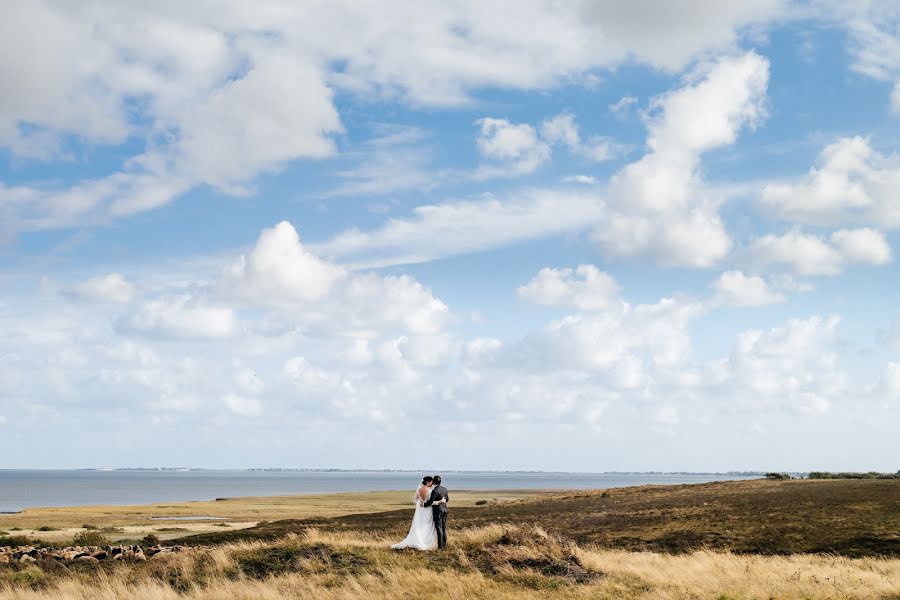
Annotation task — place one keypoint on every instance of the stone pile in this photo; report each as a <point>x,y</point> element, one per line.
<point>84,554</point>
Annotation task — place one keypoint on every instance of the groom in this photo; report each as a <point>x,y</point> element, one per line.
<point>439,492</point>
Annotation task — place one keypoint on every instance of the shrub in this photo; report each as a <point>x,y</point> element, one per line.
<point>19,540</point>
<point>89,527</point>
<point>150,540</point>
<point>89,538</point>
<point>47,528</point>
<point>480,502</point>
<point>777,476</point>
<point>869,475</point>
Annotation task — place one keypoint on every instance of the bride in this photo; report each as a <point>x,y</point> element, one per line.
<point>422,535</point>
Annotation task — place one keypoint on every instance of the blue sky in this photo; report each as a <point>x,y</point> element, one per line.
<point>436,235</point>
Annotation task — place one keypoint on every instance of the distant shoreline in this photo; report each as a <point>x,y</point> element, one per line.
<point>467,471</point>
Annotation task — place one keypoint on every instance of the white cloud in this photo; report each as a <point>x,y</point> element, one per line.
<point>249,382</point>
<point>108,288</point>
<point>278,111</point>
<point>280,269</point>
<point>183,317</point>
<point>734,288</point>
<point>210,100</point>
<point>808,254</point>
<point>874,41</point>
<point>659,204</point>
<point>300,370</point>
<point>584,288</point>
<point>280,273</point>
<point>582,179</point>
<point>514,148</point>
<point>623,105</point>
<point>243,406</point>
<point>889,381</point>
<point>865,246</point>
<point>622,341</point>
<point>852,184</point>
<point>439,230</point>
<point>794,367</point>
<point>562,130</point>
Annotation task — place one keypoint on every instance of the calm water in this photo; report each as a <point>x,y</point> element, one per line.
<point>22,489</point>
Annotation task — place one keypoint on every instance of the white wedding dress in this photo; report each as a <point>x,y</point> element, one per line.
<point>422,535</point>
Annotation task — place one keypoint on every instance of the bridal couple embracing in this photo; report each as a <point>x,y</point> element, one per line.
<point>429,525</point>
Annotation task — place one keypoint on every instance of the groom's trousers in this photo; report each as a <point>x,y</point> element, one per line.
<point>440,525</point>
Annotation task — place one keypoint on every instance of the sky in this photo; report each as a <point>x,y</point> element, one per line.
<point>564,235</point>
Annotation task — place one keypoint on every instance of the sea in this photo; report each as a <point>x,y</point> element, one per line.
<point>21,489</point>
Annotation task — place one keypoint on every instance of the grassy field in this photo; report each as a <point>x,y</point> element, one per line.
<point>134,522</point>
<point>497,562</point>
<point>761,540</point>
<point>848,517</point>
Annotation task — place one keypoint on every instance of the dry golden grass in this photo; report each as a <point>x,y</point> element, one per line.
<point>237,512</point>
<point>501,562</point>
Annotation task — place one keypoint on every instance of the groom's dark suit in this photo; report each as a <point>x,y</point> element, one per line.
<point>439,511</point>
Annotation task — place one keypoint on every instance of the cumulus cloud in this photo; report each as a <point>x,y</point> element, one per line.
<point>793,367</point>
<point>659,206</point>
<point>583,288</point>
<point>280,269</point>
<point>851,184</point>
<point>107,288</point>
<point>183,317</point>
<point>514,148</point>
<point>734,288</point>
<point>279,272</point>
<point>563,130</point>
<point>808,254</point>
